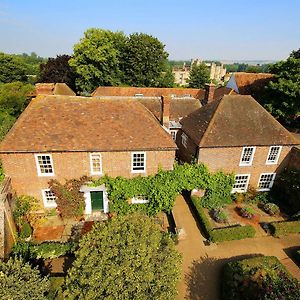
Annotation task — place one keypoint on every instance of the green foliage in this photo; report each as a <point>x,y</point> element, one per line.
<point>285,227</point>
<point>6,122</point>
<point>2,174</point>
<point>247,212</point>
<point>19,281</point>
<point>272,209</point>
<point>58,70</point>
<point>69,199</point>
<point>199,76</point>
<point>287,189</point>
<point>31,62</point>
<point>220,234</point>
<point>219,215</point>
<point>46,250</point>
<point>127,257</point>
<point>26,231</point>
<point>252,196</point>
<point>257,279</point>
<point>144,60</point>
<point>96,59</point>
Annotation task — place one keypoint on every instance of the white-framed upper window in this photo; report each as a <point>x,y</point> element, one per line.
<point>173,134</point>
<point>96,163</point>
<point>139,200</point>
<point>138,162</point>
<point>241,183</point>
<point>184,140</point>
<point>273,155</point>
<point>266,181</point>
<point>49,198</point>
<point>44,164</point>
<point>139,95</point>
<point>247,156</point>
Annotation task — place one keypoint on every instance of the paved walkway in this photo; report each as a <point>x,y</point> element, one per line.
<point>202,263</point>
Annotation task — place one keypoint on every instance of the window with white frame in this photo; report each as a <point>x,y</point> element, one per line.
<point>139,200</point>
<point>184,140</point>
<point>138,162</point>
<point>266,181</point>
<point>96,163</point>
<point>273,155</point>
<point>173,134</point>
<point>44,164</point>
<point>241,183</point>
<point>247,156</point>
<point>49,198</point>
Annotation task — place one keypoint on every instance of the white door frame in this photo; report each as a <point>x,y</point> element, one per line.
<point>86,190</point>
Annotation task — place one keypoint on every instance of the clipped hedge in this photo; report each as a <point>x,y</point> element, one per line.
<point>285,227</point>
<point>221,234</point>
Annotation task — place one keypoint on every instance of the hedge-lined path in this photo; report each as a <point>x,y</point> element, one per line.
<point>202,263</point>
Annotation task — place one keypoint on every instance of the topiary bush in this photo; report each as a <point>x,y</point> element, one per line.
<point>272,209</point>
<point>247,212</point>
<point>219,215</point>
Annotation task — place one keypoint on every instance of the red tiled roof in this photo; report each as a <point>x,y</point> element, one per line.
<point>235,120</point>
<point>53,89</point>
<point>65,123</point>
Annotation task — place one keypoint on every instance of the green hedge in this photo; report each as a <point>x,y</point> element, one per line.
<point>221,234</point>
<point>285,227</point>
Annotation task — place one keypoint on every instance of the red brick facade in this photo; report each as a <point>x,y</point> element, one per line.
<point>22,169</point>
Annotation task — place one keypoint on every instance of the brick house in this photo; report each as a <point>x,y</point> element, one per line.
<point>236,134</point>
<point>66,137</point>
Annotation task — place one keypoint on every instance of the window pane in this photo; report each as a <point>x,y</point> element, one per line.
<point>45,164</point>
<point>138,162</point>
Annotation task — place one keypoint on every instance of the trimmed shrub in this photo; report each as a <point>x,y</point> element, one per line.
<point>25,231</point>
<point>258,278</point>
<point>271,209</point>
<point>285,227</point>
<point>221,234</point>
<point>247,212</point>
<point>219,215</point>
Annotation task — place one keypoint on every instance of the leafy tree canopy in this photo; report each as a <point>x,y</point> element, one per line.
<point>6,122</point>
<point>96,59</point>
<point>19,281</point>
<point>58,70</point>
<point>12,68</point>
<point>282,95</point>
<point>199,75</point>
<point>127,257</point>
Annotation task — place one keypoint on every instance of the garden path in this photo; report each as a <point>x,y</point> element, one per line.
<point>202,263</point>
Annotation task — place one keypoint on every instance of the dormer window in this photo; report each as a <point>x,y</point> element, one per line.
<point>273,155</point>
<point>247,156</point>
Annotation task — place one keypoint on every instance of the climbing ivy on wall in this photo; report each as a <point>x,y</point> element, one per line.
<point>161,189</point>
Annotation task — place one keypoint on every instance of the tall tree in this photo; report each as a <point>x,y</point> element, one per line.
<point>282,95</point>
<point>96,59</point>
<point>12,68</point>
<point>143,61</point>
<point>125,258</point>
<point>58,70</point>
<point>199,75</point>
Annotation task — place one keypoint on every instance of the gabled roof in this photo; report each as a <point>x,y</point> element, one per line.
<point>249,83</point>
<point>53,89</point>
<point>65,123</point>
<point>235,120</point>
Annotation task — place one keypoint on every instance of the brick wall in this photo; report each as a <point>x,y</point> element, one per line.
<point>294,161</point>
<point>228,159</point>
<point>186,153</point>
<point>22,168</point>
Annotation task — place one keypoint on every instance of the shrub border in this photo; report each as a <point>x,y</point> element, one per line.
<point>284,227</point>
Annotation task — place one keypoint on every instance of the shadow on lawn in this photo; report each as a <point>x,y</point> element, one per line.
<point>204,277</point>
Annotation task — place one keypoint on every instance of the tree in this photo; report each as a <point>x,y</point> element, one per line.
<point>295,54</point>
<point>19,281</point>
<point>14,97</point>
<point>96,59</point>
<point>282,95</point>
<point>167,78</point>
<point>127,257</point>
<point>6,122</point>
<point>143,61</point>
<point>58,70</point>
<point>11,69</point>
<point>199,75</point>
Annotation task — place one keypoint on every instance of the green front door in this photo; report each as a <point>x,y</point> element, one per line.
<point>97,201</point>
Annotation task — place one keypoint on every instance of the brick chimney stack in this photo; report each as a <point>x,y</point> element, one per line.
<point>209,92</point>
<point>165,115</point>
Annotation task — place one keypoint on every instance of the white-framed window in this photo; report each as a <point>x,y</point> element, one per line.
<point>184,140</point>
<point>139,95</point>
<point>49,198</point>
<point>247,156</point>
<point>138,162</point>
<point>139,200</point>
<point>241,183</point>
<point>96,163</point>
<point>273,155</point>
<point>173,134</point>
<point>44,164</point>
<point>266,181</point>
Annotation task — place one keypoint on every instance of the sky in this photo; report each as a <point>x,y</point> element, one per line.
<point>223,30</point>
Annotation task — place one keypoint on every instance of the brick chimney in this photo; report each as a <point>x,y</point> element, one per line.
<point>165,114</point>
<point>209,92</point>
<point>44,88</point>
